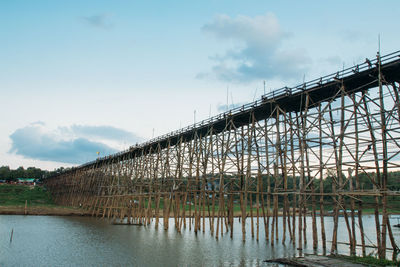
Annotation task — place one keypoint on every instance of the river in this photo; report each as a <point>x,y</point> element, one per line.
<point>87,241</point>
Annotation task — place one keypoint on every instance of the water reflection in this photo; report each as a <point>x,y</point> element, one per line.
<point>83,241</point>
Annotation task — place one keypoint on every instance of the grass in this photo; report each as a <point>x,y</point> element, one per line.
<point>16,195</point>
<point>368,208</point>
<point>13,197</point>
<point>370,261</point>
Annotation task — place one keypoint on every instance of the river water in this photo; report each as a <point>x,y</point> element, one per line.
<point>87,241</point>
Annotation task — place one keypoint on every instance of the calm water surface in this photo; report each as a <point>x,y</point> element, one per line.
<point>86,241</point>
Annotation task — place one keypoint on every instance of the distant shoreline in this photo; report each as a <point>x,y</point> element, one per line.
<point>43,211</point>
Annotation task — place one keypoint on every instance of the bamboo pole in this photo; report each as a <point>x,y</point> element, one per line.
<point>321,182</point>
<point>357,178</point>
<point>294,204</point>
<point>199,174</point>
<point>382,253</point>
<point>377,179</point>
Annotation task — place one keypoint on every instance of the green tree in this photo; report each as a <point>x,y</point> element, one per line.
<point>19,173</point>
<point>5,173</point>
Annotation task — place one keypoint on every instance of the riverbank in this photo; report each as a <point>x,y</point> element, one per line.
<point>36,200</point>
<point>71,211</point>
<point>32,200</point>
<point>43,210</point>
<point>338,260</point>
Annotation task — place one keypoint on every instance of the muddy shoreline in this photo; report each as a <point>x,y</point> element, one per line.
<point>71,211</point>
<point>43,210</point>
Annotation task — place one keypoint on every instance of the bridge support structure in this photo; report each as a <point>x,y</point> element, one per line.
<point>297,155</point>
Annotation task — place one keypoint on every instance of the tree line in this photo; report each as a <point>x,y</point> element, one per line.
<point>8,174</point>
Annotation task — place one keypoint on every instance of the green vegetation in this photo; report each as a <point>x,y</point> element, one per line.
<point>368,202</point>
<point>370,261</point>
<point>13,197</point>
<point>16,195</point>
<point>31,172</point>
<point>393,182</point>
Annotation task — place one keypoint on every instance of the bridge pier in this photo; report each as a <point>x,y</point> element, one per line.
<point>326,149</point>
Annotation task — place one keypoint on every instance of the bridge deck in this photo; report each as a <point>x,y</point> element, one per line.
<point>285,167</point>
<point>355,79</point>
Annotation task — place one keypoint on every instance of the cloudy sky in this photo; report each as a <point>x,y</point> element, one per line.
<point>81,77</point>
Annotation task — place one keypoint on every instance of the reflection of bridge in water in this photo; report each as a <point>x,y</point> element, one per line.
<point>265,159</point>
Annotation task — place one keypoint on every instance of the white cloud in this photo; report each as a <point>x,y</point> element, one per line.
<point>260,54</point>
<point>74,144</point>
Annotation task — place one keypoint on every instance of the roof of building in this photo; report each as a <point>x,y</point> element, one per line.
<point>29,180</point>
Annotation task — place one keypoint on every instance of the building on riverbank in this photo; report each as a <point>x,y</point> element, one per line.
<point>27,181</point>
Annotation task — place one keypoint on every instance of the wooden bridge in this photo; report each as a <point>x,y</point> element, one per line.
<point>265,160</point>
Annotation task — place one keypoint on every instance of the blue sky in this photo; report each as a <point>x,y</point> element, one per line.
<point>82,76</point>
